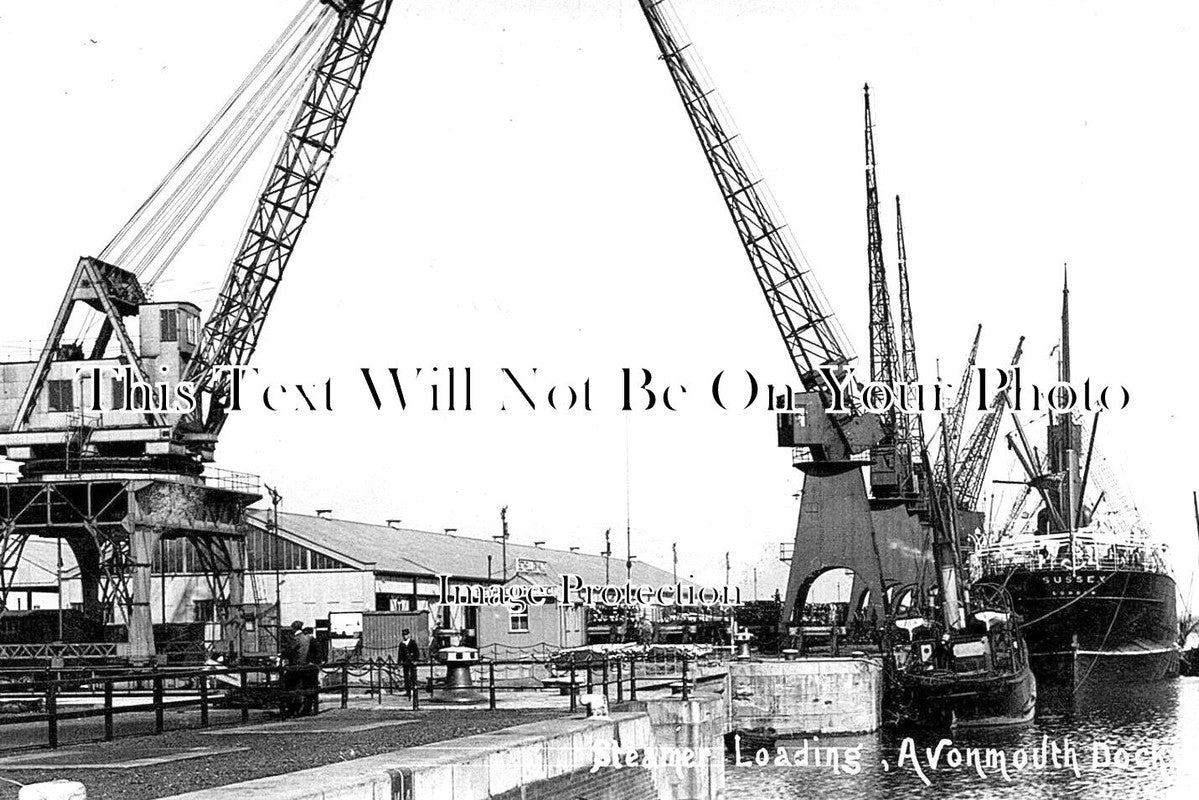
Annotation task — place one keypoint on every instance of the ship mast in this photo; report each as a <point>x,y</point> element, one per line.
<point>945,539</point>
<point>1065,435</point>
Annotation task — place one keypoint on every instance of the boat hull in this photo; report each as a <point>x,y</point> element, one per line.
<point>962,701</point>
<point>1086,628</point>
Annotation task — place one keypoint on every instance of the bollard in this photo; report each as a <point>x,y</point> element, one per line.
<point>415,698</point>
<point>742,639</point>
<point>108,732</point>
<point>458,689</point>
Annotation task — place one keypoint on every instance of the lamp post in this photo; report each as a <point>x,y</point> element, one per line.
<point>276,498</point>
<point>504,541</point>
<point>608,556</point>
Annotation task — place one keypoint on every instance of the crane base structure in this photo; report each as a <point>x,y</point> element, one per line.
<point>114,525</point>
<point>884,542</point>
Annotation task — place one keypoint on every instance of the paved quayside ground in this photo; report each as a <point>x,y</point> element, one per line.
<point>143,767</point>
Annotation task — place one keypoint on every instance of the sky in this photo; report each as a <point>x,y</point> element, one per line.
<point>519,188</point>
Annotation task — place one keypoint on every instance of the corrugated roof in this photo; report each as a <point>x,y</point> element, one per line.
<point>425,553</point>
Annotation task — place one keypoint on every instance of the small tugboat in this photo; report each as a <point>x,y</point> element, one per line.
<point>966,666</point>
<point>973,676</point>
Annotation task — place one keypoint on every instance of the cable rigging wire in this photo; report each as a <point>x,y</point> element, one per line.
<point>166,221</point>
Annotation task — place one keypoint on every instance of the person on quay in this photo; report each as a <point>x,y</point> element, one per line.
<point>310,671</point>
<point>409,657</point>
<point>295,658</point>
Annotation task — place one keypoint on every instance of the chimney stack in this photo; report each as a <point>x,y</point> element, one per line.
<point>324,513</point>
<point>394,524</point>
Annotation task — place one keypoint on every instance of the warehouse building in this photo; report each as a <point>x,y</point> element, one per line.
<point>316,567</point>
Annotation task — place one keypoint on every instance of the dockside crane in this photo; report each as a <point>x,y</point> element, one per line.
<point>829,450</point>
<point>108,464</point>
<point>323,71</point>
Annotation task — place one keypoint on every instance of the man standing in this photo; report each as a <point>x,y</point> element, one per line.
<point>409,656</point>
<point>295,657</point>
<point>311,672</point>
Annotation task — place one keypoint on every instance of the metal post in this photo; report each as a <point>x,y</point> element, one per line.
<point>157,702</point>
<point>415,699</point>
<point>686,689</point>
<point>203,702</point>
<point>491,685</point>
<point>345,684</point>
<point>108,732</point>
<point>619,681</point>
<point>52,713</point>
<point>632,679</point>
<point>605,677</point>
<point>573,691</point>
<point>245,710</point>
<point>590,678</point>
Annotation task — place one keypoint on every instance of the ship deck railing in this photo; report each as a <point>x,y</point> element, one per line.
<point>1060,553</point>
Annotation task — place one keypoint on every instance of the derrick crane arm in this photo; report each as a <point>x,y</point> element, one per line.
<point>972,466</point>
<point>805,323</point>
<point>952,421</point>
<point>884,357</point>
<point>231,333</point>
<point>910,371</point>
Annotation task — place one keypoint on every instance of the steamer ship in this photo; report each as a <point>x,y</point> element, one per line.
<point>1095,593</point>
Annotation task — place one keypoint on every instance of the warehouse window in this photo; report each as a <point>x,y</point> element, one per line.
<point>518,623</point>
<point>118,394</point>
<point>61,395</point>
<point>168,320</point>
<point>266,552</point>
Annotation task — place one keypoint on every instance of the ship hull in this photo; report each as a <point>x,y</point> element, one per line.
<point>1087,628</point>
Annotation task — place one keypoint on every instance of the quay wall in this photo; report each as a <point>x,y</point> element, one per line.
<point>807,696</point>
<point>553,759</point>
